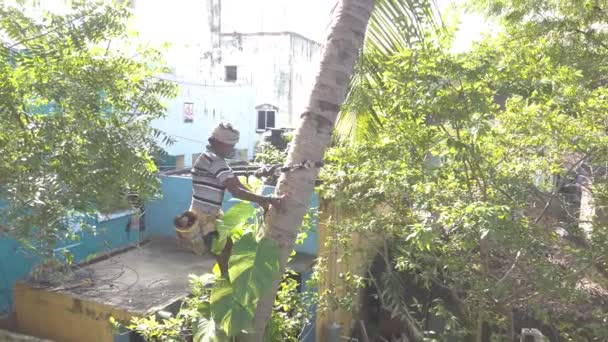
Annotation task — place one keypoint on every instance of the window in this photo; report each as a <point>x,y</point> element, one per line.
<point>266,119</point>
<point>267,116</point>
<point>230,73</point>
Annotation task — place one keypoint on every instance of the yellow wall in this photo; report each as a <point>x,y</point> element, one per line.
<point>362,250</point>
<point>63,318</point>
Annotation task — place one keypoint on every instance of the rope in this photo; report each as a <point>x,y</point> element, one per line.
<point>272,170</point>
<point>275,170</point>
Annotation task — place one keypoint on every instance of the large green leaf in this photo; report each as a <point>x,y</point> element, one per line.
<point>205,331</point>
<point>235,216</point>
<point>232,316</point>
<point>253,265</point>
<point>234,219</point>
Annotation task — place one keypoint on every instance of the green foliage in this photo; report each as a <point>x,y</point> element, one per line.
<point>267,154</point>
<point>234,223</point>
<point>191,320</point>
<point>572,31</point>
<point>223,309</point>
<point>393,27</point>
<point>457,183</point>
<point>76,102</point>
<point>291,312</point>
<point>252,267</point>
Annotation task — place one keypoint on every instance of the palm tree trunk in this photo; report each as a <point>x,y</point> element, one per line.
<point>343,44</point>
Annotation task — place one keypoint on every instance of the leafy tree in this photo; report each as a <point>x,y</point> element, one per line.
<point>469,190</point>
<point>344,40</point>
<point>267,154</point>
<point>76,102</point>
<point>222,309</point>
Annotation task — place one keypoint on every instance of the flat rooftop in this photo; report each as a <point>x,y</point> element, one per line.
<point>147,278</point>
<point>141,280</point>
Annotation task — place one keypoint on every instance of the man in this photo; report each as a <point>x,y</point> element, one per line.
<point>211,176</point>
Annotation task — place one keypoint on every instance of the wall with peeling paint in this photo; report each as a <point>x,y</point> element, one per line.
<point>279,66</point>
<point>305,59</point>
<point>211,105</point>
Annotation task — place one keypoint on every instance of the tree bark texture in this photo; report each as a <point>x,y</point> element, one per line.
<point>344,41</point>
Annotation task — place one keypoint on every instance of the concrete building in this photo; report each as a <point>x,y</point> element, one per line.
<point>248,62</point>
<point>280,67</point>
<point>197,109</point>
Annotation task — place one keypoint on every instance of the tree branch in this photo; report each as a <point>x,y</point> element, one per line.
<point>70,22</point>
<point>557,188</point>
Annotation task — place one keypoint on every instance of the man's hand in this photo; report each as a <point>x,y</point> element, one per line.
<point>275,201</point>
<point>238,190</point>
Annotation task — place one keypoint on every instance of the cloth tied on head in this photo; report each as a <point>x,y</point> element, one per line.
<point>226,134</point>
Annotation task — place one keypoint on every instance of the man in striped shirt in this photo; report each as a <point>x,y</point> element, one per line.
<point>211,176</point>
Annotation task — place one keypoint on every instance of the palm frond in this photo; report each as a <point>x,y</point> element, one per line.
<point>395,25</point>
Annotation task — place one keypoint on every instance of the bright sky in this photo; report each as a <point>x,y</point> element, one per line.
<point>184,23</point>
<point>306,17</point>
<point>472,27</point>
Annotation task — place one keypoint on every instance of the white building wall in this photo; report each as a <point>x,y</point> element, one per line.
<point>263,64</point>
<point>306,56</point>
<point>280,67</point>
<point>186,24</point>
<point>274,66</point>
<point>211,105</point>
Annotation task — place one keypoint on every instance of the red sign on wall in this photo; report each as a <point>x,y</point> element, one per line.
<point>188,112</point>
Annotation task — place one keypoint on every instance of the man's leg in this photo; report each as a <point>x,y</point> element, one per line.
<point>223,257</point>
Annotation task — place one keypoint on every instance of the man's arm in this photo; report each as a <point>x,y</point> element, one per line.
<point>238,190</point>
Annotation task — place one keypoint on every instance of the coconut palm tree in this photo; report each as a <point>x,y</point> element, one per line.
<point>394,24</point>
<point>313,135</point>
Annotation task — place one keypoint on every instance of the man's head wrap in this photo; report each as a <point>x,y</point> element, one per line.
<point>226,134</point>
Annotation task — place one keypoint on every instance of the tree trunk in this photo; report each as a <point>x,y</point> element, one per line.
<point>341,50</point>
<point>587,207</point>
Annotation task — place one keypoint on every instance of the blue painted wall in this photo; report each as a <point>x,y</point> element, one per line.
<point>177,192</point>
<point>15,264</point>
<point>16,261</point>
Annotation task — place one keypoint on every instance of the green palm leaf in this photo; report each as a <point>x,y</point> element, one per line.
<point>395,25</point>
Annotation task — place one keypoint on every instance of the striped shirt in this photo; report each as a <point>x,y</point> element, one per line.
<point>209,173</point>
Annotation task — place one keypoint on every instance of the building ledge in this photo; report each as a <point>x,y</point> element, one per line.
<point>8,336</point>
<point>266,33</point>
<point>139,281</point>
<point>114,215</point>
